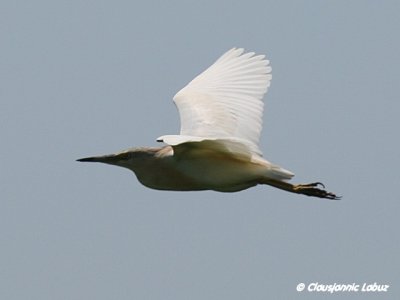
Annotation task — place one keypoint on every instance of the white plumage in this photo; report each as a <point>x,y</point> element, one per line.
<point>224,103</point>
<point>226,99</point>
<point>218,147</point>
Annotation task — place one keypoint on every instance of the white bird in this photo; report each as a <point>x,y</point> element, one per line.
<point>218,146</point>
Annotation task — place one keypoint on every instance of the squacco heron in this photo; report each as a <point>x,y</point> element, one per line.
<point>218,147</point>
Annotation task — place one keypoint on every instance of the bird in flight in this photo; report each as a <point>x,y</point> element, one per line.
<point>218,149</point>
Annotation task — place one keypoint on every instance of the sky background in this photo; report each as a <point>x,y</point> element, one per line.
<point>81,78</point>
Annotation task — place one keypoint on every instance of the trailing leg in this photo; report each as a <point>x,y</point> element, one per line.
<point>310,189</point>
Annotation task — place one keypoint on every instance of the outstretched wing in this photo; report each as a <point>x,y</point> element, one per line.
<point>225,101</point>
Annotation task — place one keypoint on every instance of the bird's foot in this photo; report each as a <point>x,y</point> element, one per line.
<point>311,189</point>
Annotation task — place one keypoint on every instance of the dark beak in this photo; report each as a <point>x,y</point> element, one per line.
<point>107,159</point>
<point>92,159</point>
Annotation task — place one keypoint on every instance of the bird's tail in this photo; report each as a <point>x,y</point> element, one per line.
<point>271,170</point>
<point>279,173</point>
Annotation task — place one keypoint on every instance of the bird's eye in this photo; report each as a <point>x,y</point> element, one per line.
<point>123,156</point>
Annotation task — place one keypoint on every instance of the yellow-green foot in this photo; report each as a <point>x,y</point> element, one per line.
<point>311,189</point>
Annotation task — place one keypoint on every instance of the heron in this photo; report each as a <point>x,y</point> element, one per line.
<point>221,113</point>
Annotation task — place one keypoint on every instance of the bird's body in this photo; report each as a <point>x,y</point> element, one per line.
<point>218,148</point>
<point>194,167</point>
<point>195,170</point>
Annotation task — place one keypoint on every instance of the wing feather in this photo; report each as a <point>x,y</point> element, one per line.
<point>225,101</point>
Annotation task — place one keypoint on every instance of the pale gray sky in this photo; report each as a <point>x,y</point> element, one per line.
<point>80,78</point>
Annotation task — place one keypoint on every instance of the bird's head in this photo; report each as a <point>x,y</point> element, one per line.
<point>132,158</point>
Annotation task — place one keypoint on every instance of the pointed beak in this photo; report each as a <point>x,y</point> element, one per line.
<point>111,159</point>
<point>92,159</point>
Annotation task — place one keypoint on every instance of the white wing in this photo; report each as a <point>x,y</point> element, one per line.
<point>225,101</point>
